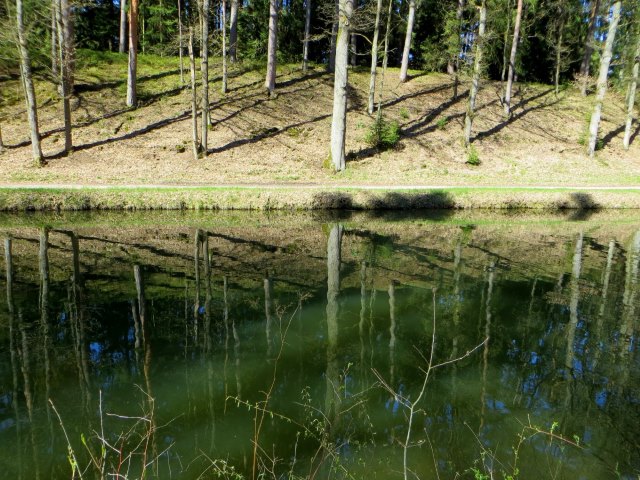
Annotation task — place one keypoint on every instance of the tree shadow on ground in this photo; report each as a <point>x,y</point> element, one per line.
<point>521,113</point>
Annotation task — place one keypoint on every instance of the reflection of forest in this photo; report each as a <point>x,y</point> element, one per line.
<point>184,314</point>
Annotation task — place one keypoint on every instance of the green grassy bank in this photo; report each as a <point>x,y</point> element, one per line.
<point>24,198</point>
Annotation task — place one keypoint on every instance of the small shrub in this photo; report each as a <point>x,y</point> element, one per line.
<point>442,122</point>
<point>180,148</point>
<point>404,113</point>
<point>383,134</point>
<point>472,156</point>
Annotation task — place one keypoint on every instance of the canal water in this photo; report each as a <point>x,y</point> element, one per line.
<point>423,345</point>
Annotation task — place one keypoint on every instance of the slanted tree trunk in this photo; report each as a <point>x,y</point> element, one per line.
<point>204,67</point>
<point>223,87</point>
<point>62,16</point>
<point>601,87</point>
<point>194,98</point>
<point>27,82</point>
<point>133,54</point>
<point>633,85</point>
<point>233,32</point>
<point>407,41</point>
<point>123,25</point>
<point>339,119</point>
<point>512,60</point>
<point>477,70</point>
<point>270,80</point>
<point>505,45</point>
<point>307,32</point>
<point>374,59</point>
<point>180,47</point>
<point>585,66</point>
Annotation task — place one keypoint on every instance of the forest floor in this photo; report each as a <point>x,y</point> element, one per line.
<point>284,141</point>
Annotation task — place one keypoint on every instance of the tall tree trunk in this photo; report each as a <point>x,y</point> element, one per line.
<point>573,302</point>
<point>339,119</point>
<point>223,87</point>
<point>407,41</point>
<point>62,13</point>
<point>455,65</point>
<point>133,54</point>
<point>585,66</point>
<point>633,85</point>
<point>512,60</point>
<point>334,250</point>
<point>477,70</point>
<point>270,80</point>
<point>374,59</point>
<point>27,82</point>
<point>559,54</point>
<point>204,66</point>
<point>54,39</point>
<point>233,32</point>
<point>180,47</point>
<point>194,98</point>
<point>123,25</point>
<point>334,36</point>
<point>505,45</point>
<point>307,32</point>
<point>601,87</point>
<point>385,60</point>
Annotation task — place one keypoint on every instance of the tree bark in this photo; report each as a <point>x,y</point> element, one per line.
<point>223,86</point>
<point>54,39</point>
<point>505,44</point>
<point>374,59</point>
<point>133,54</point>
<point>407,41</point>
<point>477,70</point>
<point>339,119</point>
<point>334,248</point>
<point>123,25</point>
<point>633,85</point>
<point>270,80</point>
<point>204,67</point>
<point>180,47</point>
<point>559,55</point>
<point>27,82</point>
<point>233,32</point>
<point>62,17</point>
<point>601,87</point>
<point>585,66</point>
<point>334,36</point>
<point>353,61</point>
<point>307,31</point>
<point>512,60</point>
<point>456,63</point>
<point>194,98</point>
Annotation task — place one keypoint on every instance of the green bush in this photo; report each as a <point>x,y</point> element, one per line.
<point>383,134</point>
<point>473,158</point>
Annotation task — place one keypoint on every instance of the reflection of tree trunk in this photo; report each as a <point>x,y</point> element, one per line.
<point>363,311</point>
<point>43,259</point>
<point>630,293</point>
<point>392,333</point>
<point>225,319</point>
<point>13,348</point>
<point>573,303</point>
<point>332,399</point>
<point>27,391</point>
<point>207,300</point>
<point>268,310</point>
<point>196,305</point>
<point>485,353</point>
<point>605,283</point>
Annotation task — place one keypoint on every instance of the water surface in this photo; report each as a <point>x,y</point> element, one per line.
<point>286,346</point>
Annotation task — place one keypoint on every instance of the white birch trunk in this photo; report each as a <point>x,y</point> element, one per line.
<point>27,82</point>
<point>307,31</point>
<point>601,87</point>
<point>180,46</point>
<point>133,54</point>
<point>270,80</point>
<point>123,25</point>
<point>233,32</point>
<point>633,85</point>
<point>477,70</point>
<point>339,119</point>
<point>204,67</point>
<point>374,59</point>
<point>512,60</point>
<point>407,41</point>
<point>62,11</point>
<point>456,63</point>
<point>559,55</point>
<point>334,35</point>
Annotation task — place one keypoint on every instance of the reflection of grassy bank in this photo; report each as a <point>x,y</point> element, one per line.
<point>313,198</point>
